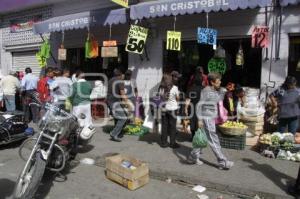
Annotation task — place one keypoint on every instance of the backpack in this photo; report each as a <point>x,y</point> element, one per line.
<point>43,90</point>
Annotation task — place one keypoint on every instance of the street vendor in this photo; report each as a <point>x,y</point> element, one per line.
<point>233,96</point>
<point>287,99</point>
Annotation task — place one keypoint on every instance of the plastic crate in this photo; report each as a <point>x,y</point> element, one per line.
<point>232,142</point>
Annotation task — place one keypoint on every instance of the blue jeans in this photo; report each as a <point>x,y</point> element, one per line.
<point>10,103</point>
<point>120,117</point>
<point>291,123</point>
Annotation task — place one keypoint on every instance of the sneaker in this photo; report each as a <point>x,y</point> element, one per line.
<point>198,162</point>
<point>175,146</point>
<point>115,138</point>
<point>226,165</point>
<point>164,145</point>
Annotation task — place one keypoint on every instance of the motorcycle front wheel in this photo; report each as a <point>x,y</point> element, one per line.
<point>27,185</point>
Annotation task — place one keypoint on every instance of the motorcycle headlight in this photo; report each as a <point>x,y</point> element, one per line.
<point>54,127</point>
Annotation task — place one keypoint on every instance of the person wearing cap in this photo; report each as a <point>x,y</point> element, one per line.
<point>170,96</point>
<point>29,85</point>
<point>10,84</point>
<point>118,102</point>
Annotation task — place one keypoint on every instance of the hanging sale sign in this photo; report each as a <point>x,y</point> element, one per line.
<point>260,37</point>
<point>110,43</point>
<point>109,52</point>
<point>136,39</point>
<point>62,54</point>
<point>173,40</point>
<point>207,36</point>
<point>217,65</point>
<point>123,3</point>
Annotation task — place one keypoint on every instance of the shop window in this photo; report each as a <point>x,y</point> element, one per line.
<point>76,60</point>
<point>193,54</point>
<point>294,57</point>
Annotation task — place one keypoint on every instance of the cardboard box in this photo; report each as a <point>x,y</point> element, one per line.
<point>129,178</point>
<point>252,141</point>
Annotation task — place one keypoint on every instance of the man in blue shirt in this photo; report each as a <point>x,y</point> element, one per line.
<point>29,85</point>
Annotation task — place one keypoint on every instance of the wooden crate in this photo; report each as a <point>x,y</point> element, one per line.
<point>252,141</point>
<point>246,119</point>
<point>131,179</point>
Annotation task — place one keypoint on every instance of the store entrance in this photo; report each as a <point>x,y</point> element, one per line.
<point>294,57</point>
<point>76,61</point>
<point>193,54</point>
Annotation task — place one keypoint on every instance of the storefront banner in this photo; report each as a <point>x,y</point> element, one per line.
<point>207,36</point>
<point>123,3</point>
<point>151,9</point>
<point>109,52</point>
<point>21,26</point>
<point>217,65</point>
<point>136,39</point>
<point>173,40</point>
<point>260,37</point>
<point>109,43</point>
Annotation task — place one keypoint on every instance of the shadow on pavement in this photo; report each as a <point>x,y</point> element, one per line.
<point>268,171</point>
<point>50,177</point>
<point>6,188</point>
<point>85,149</point>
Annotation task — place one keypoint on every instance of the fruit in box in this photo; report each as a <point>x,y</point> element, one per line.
<point>232,124</point>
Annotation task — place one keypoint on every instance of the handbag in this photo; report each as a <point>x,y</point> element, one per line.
<point>222,114</point>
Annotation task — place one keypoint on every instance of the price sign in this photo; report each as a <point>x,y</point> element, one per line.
<point>136,39</point>
<point>123,3</point>
<point>260,37</point>
<point>173,40</point>
<point>207,36</point>
<point>217,65</point>
<point>109,52</point>
<point>62,54</point>
<point>109,43</point>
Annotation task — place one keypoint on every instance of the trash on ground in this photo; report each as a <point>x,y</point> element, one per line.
<point>199,189</point>
<point>87,161</point>
<point>169,180</point>
<point>203,196</point>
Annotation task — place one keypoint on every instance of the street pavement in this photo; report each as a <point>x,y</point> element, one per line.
<point>82,181</point>
<point>252,174</point>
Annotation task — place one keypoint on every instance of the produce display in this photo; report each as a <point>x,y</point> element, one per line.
<point>136,128</point>
<point>281,144</point>
<point>232,124</point>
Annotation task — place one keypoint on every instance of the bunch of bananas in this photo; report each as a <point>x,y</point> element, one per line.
<point>232,124</point>
<point>132,129</point>
<point>138,121</point>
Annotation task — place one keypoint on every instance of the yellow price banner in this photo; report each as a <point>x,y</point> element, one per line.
<point>136,39</point>
<point>123,3</point>
<point>173,40</point>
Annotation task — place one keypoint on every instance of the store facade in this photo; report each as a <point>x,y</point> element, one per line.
<point>234,21</point>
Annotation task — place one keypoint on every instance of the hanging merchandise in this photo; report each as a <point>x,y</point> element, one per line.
<point>91,48</point>
<point>298,66</point>
<point>207,36</point>
<point>260,37</point>
<point>136,39</point>
<point>220,52</point>
<point>239,59</point>
<point>217,65</point>
<point>43,54</point>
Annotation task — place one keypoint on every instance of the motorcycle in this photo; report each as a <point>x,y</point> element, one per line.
<point>13,127</point>
<point>55,145</point>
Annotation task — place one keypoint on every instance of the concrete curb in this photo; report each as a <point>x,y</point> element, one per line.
<point>179,178</point>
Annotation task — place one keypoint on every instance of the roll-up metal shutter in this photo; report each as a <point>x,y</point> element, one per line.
<point>22,60</point>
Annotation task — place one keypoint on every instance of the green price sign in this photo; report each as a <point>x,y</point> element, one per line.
<point>217,65</point>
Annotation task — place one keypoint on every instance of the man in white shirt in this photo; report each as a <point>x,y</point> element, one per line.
<point>61,88</point>
<point>10,84</point>
<point>29,85</point>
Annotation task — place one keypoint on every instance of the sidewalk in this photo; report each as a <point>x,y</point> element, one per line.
<point>251,175</point>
